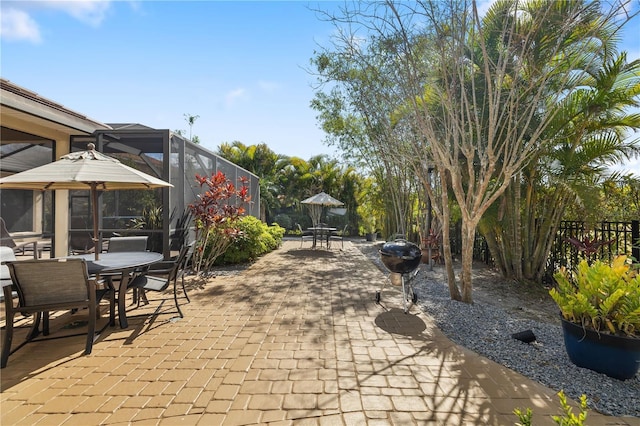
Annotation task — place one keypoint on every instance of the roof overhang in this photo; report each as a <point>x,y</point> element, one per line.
<point>21,105</point>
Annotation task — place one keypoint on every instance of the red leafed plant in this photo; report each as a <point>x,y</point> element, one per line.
<point>216,213</point>
<point>587,245</point>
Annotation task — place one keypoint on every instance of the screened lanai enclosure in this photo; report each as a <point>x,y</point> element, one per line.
<point>157,213</point>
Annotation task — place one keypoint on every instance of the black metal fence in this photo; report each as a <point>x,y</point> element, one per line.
<point>481,251</point>
<point>602,241</point>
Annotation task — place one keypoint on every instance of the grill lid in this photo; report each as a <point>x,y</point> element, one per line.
<point>400,256</point>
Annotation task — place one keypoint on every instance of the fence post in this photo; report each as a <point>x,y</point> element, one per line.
<point>635,240</point>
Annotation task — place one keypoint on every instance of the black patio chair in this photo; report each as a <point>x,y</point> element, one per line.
<point>6,255</point>
<point>50,285</point>
<point>7,240</point>
<point>80,240</point>
<point>135,243</point>
<point>162,274</point>
<point>122,244</point>
<point>304,235</point>
<point>338,236</point>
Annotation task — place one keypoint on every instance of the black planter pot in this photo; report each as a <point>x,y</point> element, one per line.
<point>615,356</point>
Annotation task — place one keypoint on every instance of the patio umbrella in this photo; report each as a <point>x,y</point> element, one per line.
<point>317,202</point>
<point>90,170</point>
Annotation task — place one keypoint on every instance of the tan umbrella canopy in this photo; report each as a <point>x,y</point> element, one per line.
<point>83,170</point>
<point>317,202</point>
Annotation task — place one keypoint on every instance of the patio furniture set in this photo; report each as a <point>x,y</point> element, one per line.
<point>322,234</point>
<point>39,286</point>
<point>35,244</point>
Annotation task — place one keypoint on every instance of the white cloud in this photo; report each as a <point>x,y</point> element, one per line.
<point>17,25</point>
<point>18,21</point>
<point>233,96</point>
<point>91,12</point>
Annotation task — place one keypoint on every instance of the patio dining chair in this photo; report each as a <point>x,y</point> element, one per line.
<point>338,236</point>
<point>304,235</point>
<point>6,255</point>
<point>7,240</point>
<point>80,240</point>
<point>50,285</point>
<point>119,244</point>
<point>161,275</point>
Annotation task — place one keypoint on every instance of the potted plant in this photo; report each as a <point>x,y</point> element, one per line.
<point>600,310</point>
<point>370,209</point>
<point>371,232</point>
<point>368,220</point>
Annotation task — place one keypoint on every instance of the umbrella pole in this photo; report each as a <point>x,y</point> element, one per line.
<point>94,209</point>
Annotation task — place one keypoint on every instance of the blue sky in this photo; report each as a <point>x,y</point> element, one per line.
<point>242,67</point>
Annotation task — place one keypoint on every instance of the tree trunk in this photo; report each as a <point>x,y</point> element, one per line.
<point>490,237</point>
<point>516,225</point>
<point>454,291</point>
<point>468,237</point>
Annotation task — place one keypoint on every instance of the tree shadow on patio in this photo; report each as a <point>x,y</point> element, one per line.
<point>310,253</point>
<point>66,342</point>
<point>445,374</point>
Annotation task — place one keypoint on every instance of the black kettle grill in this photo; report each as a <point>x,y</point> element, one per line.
<point>401,258</point>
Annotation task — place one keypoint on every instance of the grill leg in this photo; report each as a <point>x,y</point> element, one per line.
<point>404,295</point>
<point>379,292</point>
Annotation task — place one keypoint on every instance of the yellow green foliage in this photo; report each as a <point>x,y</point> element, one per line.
<point>570,419</point>
<point>566,419</point>
<point>603,296</point>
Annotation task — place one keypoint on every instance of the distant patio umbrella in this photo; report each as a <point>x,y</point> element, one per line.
<point>84,170</point>
<point>317,202</point>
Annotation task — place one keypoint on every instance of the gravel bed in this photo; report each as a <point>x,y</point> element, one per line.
<point>543,360</point>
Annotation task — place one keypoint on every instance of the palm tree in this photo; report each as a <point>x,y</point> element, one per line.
<point>587,135</point>
<point>191,119</point>
<point>480,93</point>
<point>263,162</point>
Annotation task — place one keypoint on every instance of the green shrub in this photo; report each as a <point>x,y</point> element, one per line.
<point>256,239</point>
<point>284,220</point>
<point>277,232</point>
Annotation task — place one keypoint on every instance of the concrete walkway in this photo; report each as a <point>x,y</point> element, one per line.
<point>296,339</point>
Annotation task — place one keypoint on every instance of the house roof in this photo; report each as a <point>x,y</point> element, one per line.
<point>30,121</point>
<point>18,102</point>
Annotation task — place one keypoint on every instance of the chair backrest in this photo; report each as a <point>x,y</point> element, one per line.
<point>117,244</point>
<point>304,233</point>
<point>189,254</point>
<point>51,282</point>
<point>180,261</point>
<point>79,238</point>
<point>6,255</point>
<point>5,238</point>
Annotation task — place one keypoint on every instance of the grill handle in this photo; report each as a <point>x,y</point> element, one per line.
<point>400,257</point>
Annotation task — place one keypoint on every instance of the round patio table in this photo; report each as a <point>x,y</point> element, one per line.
<point>124,262</point>
<point>321,233</point>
